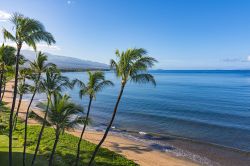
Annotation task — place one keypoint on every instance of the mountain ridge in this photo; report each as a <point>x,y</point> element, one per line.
<point>67,63</point>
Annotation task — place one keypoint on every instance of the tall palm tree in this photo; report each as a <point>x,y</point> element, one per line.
<point>27,31</point>
<point>96,83</point>
<point>131,65</point>
<point>61,116</point>
<point>51,84</point>
<point>7,58</point>
<point>38,66</point>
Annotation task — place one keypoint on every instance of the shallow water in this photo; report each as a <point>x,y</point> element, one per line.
<point>208,106</point>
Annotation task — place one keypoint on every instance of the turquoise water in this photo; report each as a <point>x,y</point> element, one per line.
<point>209,106</point>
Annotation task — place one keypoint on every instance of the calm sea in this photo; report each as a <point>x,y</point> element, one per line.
<point>208,106</point>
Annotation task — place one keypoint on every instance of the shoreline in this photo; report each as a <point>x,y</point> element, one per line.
<point>204,153</point>
<point>137,151</point>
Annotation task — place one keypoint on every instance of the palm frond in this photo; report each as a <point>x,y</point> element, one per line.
<point>133,65</point>
<point>103,84</point>
<point>39,36</point>
<point>143,78</point>
<point>37,117</point>
<point>8,35</point>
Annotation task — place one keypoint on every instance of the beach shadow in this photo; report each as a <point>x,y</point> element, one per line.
<point>8,97</point>
<point>17,159</point>
<point>107,158</point>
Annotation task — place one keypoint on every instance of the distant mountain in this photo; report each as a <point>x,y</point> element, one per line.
<point>67,63</point>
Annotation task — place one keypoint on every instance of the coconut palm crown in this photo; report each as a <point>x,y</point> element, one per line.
<point>40,65</point>
<point>133,65</point>
<point>28,31</point>
<point>96,83</point>
<point>54,82</point>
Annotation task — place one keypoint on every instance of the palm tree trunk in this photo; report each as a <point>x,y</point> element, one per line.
<point>4,87</point>
<point>13,105</point>
<point>84,127</point>
<point>26,119</point>
<point>40,134</point>
<point>1,84</point>
<point>109,126</point>
<point>26,128</point>
<point>54,148</point>
<point>17,111</point>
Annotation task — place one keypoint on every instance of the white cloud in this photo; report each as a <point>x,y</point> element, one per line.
<point>248,58</point>
<point>4,16</point>
<point>69,2</point>
<point>40,47</point>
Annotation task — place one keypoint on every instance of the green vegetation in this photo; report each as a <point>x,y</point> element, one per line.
<point>27,31</point>
<point>51,84</point>
<point>7,59</point>
<point>65,152</point>
<point>39,142</point>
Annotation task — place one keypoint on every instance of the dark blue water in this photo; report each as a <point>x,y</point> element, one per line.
<point>209,106</point>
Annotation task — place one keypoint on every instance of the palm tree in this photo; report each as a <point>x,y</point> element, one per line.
<point>8,75</point>
<point>21,89</point>
<point>131,65</point>
<point>95,84</point>
<point>30,32</point>
<point>61,116</point>
<point>7,58</point>
<point>38,66</point>
<point>53,83</point>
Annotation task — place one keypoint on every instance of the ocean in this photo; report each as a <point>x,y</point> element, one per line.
<point>206,106</point>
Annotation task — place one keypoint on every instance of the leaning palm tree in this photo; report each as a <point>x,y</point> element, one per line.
<point>7,58</point>
<point>96,83</point>
<point>27,31</point>
<point>38,66</point>
<point>131,65</point>
<point>61,115</point>
<point>21,90</point>
<point>52,83</point>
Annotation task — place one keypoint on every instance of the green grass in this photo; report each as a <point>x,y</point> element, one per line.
<point>66,149</point>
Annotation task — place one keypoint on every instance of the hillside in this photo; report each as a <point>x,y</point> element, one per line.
<point>67,63</point>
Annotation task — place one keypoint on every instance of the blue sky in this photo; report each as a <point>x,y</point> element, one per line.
<point>181,34</point>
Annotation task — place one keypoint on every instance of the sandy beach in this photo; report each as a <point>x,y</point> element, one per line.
<point>133,150</point>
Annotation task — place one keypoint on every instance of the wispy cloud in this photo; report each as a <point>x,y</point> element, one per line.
<point>70,2</point>
<point>231,60</point>
<point>40,47</point>
<point>247,59</point>
<point>4,16</point>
